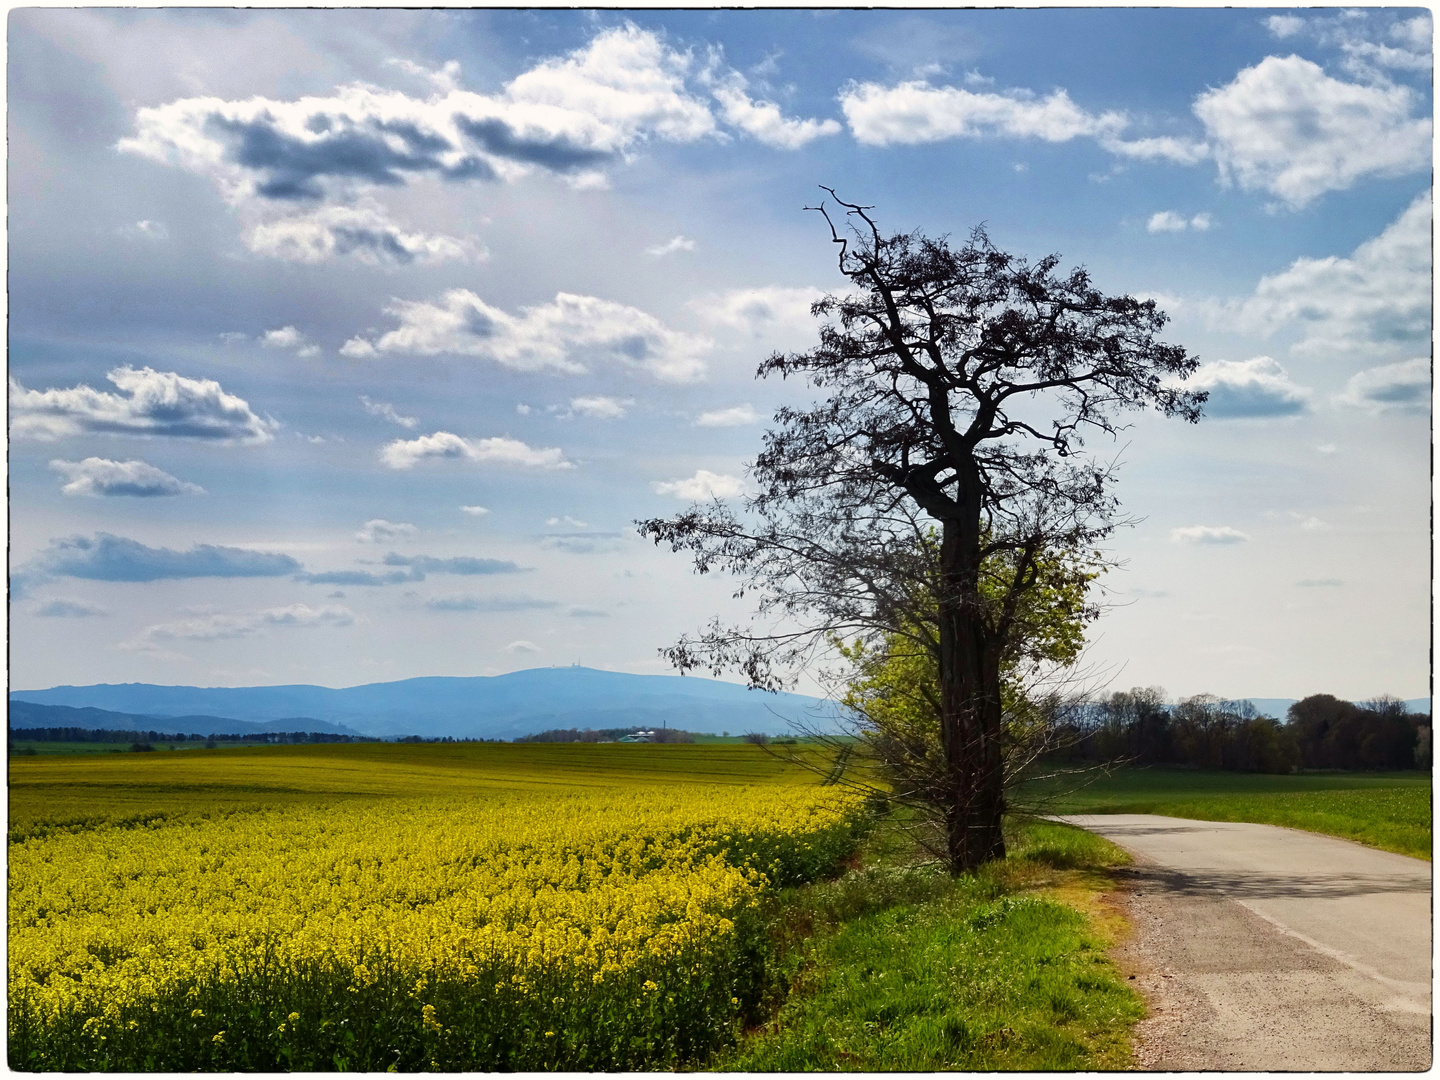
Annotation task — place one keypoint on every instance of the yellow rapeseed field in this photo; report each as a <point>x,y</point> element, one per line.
<point>555,925</point>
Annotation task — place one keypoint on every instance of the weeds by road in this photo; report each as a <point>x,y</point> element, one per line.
<point>895,967</point>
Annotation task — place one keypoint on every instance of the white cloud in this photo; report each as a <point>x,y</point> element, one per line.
<point>475,511</point>
<point>1285,127</point>
<point>567,520</point>
<point>600,408</point>
<point>226,625</point>
<point>357,348</point>
<point>522,647</point>
<point>402,454</point>
<point>764,120</point>
<point>916,112</point>
<point>1249,389</point>
<point>380,531</point>
<point>151,403</point>
<point>1378,299</point>
<point>1159,148</point>
<point>1208,534</point>
<point>567,335</point>
<point>572,115</point>
<point>704,485</point>
<point>1402,387</point>
<point>386,411</point>
<point>765,311</point>
<point>287,337</point>
<point>735,416</point>
<point>97,476</point>
<point>146,230</point>
<point>1169,221</point>
<point>674,244</point>
<point>1284,26</point>
<point>363,232</point>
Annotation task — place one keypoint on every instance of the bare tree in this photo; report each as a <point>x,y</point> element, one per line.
<point>961,383</point>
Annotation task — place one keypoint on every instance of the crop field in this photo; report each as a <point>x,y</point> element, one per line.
<point>391,906</point>
<point>1391,811</point>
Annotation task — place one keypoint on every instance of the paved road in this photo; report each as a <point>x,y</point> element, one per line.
<point>1267,948</point>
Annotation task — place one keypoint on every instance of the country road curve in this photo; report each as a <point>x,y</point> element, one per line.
<point>1263,948</point>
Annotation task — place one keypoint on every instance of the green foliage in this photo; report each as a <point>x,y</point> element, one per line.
<point>896,968</point>
<point>895,685</point>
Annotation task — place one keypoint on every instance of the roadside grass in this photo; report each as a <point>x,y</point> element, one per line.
<point>1390,811</point>
<point>899,967</point>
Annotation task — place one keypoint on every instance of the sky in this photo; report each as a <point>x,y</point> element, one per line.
<point>348,346</point>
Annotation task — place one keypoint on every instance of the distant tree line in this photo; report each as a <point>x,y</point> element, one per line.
<point>146,738</point>
<point>659,735</point>
<point>1206,732</point>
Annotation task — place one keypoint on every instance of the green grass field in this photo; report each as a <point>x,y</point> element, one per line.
<point>1391,811</point>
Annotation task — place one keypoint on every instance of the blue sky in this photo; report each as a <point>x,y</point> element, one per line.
<point>346,346</point>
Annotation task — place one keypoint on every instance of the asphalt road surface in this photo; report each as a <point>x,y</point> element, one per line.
<point>1262,948</point>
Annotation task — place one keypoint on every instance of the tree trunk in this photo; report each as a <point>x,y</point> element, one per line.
<point>970,712</point>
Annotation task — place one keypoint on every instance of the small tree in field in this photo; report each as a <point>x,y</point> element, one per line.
<point>960,384</point>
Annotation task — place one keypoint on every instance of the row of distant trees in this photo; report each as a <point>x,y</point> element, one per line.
<point>146,738</point>
<point>1205,732</point>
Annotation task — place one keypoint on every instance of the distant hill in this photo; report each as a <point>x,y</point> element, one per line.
<point>494,707</point>
<point>25,714</point>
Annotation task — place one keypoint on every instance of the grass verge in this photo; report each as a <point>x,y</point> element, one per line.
<point>1390,811</point>
<point>894,967</point>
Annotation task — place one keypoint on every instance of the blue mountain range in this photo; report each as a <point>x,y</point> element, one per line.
<point>488,707</point>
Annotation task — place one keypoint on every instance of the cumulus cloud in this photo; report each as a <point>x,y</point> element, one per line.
<point>1402,387</point>
<point>150,403</point>
<point>363,232</point>
<point>1249,389</point>
<point>600,408</point>
<point>386,411</point>
<point>475,511</point>
<point>105,557</point>
<point>96,476</point>
<point>769,310</point>
<point>501,450</point>
<point>572,115</point>
<point>286,337</point>
<point>522,647</point>
<point>380,531</point>
<point>222,626</point>
<point>735,416</point>
<point>466,602</point>
<point>1369,47</point>
<point>566,519</point>
<point>916,112</point>
<point>566,335</point>
<point>1286,127</point>
<point>68,609</point>
<point>763,119</point>
<point>674,244</point>
<point>1379,298</point>
<point>1169,221</point>
<point>703,485</point>
<point>1208,534</point>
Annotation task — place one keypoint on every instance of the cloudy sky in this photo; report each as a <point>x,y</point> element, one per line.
<point>347,346</point>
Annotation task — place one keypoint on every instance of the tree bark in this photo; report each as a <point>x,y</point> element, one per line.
<point>970,710</point>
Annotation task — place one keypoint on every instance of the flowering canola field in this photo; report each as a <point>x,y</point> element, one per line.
<point>566,919</point>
